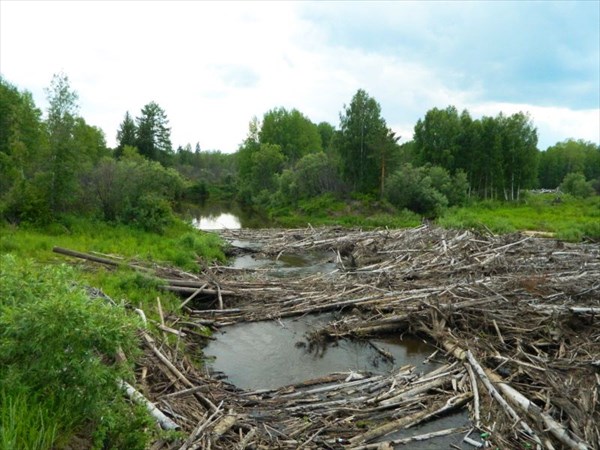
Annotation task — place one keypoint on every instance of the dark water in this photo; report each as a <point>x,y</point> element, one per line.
<point>267,355</point>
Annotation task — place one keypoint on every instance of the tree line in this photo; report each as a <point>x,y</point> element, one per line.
<point>56,163</point>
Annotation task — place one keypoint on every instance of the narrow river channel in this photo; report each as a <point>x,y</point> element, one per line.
<point>273,354</point>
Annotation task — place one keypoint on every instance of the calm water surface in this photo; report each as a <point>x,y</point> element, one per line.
<point>268,355</point>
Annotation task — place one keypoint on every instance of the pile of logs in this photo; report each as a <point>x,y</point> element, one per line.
<point>516,316</point>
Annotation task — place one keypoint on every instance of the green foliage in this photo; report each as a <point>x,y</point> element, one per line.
<point>327,132</point>
<point>61,346</point>
<point>153,136</point>
<point>322,205</point>
<point>498,154</point>
<point>426,190</point>
<point>126,135</point>
<point>566,157</point>
<point>150,212</point>
<point>575,184</point>
<point>293,132</point>
<point>570,218</point>
<point>21,136</point>
<point>87,235</point>
<point>362,142</point>
<point>25,423</point>
<point>313,175</point>
<point>437,137</point>
<point>204,246</point>
<point>134,190</point>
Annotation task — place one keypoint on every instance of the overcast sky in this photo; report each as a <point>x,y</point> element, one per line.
<point>213,66</point>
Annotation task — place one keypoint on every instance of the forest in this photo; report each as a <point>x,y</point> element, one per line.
<point>54,163</point>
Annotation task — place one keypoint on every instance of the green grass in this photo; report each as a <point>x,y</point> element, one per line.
<point>325,210</point>
<point>570,219</point>
<point>179,245</point>
<point>58,362</point>
<point>25,423</point>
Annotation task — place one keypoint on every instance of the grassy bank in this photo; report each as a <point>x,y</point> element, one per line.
<point>179,245</point>
<point>570,219</point>
<point>567,218</point>
<point>325,210</point>
<point>51,397</point>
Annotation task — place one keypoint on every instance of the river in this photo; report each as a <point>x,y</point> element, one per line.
<point>219,216</point>
<point>273,354</point>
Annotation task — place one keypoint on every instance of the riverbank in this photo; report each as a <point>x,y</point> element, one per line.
<point>514,316</point>
<point>561,215</point>
<point>460,290</point>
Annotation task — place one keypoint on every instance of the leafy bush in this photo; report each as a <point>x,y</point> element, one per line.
<point>134,190</point>
<point>60,347</point>
<point>576,185</point>
<point>150,213</point>
<point>411,188</point>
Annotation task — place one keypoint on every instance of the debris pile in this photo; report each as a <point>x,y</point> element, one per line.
<point>516,316</point>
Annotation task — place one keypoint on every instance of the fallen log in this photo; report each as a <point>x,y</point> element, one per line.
<point>408,440</point>
<point>86,256</point>
<point>191,290</point>
<point>164,422</point>
<point>402,422</point>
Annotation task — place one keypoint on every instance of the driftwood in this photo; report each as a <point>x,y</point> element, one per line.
<point>516,316</point>
<point>161,418</point>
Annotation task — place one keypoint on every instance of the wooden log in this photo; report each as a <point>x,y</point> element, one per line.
<point>86,256</point>
<point>203,423</point>
<point>191,297</point>
<point>494,393</point>
<point>534,411</point>
<point>191,290</point>
<point>411,392</point>
<point>408,440</point>
<point>164,422</point>
<point>176,371</point>
<point>402,422</point>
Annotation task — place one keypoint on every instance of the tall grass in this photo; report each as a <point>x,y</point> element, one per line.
<point>179,245</point>
<point>26,424</point>
<point>60,348</point>
<point>569,218</point>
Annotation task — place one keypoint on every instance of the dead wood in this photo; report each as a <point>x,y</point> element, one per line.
<point>516,315</point>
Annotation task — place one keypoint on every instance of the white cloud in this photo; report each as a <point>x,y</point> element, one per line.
<point>212,66</point>
<point>553,124</point>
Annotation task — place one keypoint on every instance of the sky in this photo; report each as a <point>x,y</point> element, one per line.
<point>213,66</point>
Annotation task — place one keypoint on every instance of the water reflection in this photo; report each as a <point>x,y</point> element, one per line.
<point>219,216</point>
<point>289,264</point>
<point>272,354</point>
<point>224,221</point>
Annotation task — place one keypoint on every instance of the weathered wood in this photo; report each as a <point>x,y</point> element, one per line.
<point>161,418</point>
<point>86,256</point>
<point>437,408</point>
<point>191,290</point>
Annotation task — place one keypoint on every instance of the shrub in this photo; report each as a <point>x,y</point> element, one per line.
<point>411,187</point>
<point>60,347</point>
<point>150,213</point>
<point>576,185</point>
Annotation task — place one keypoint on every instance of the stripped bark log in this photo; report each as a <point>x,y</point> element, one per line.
<point>137,397</point>
<point>437,408</point>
